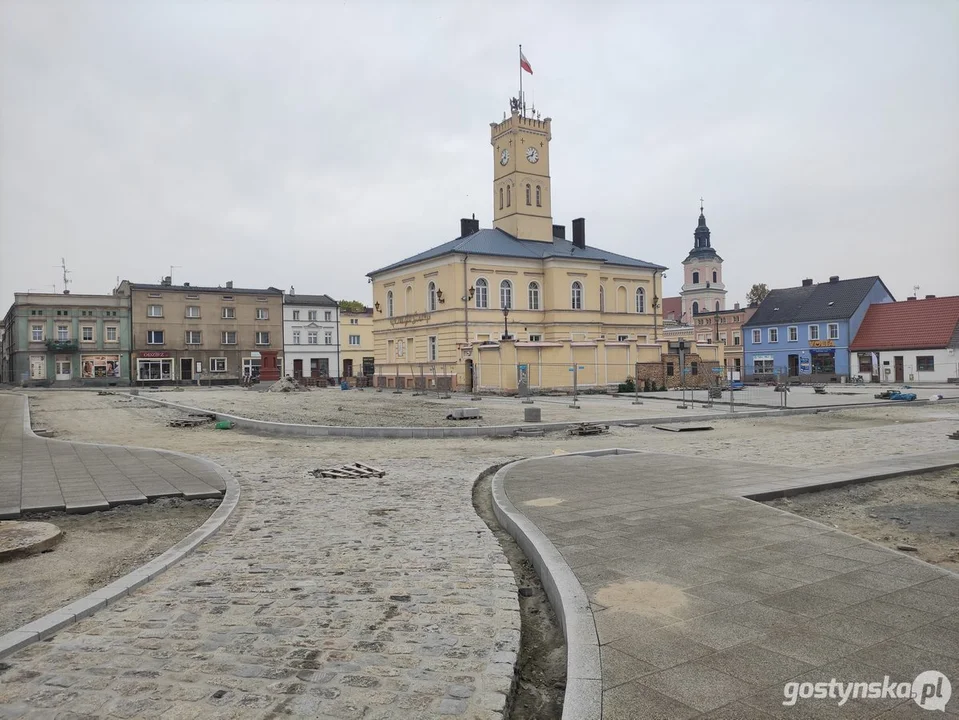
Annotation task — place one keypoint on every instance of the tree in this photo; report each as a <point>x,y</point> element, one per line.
<point>352,306</point>
<point>757,293</point>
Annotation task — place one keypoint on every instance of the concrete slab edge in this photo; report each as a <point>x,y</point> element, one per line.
<point>52,623</point>
<point>267,427</point>
<point>583,697</point>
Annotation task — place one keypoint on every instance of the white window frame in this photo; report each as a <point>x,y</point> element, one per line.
<point>813,336</point>
<point>106,334</point>
<point>431,348</point>
<point>262,314</point>
<point>481,293</point>
<point>327,315</point>
<point>622,338</point>
<point>154,311</point>
<point>354,340</point>
<point>640,300</point>
<point>63,333</point>
<point>792,333</point>
<point>506,294</point>
<point>313,337</point>
<point>296,337</point>
<point>217,364</point>
<point>757,336</point>
<point>328,337</point>
<point>296,314</point>
<point>192,311</point>
<point>225,337</point>
<point>188,337</point>
<point>261,337</point>
<point>532,295</point>
<point>34,331</point>
<point>576,295</point>
<point>144,362</point>
<point>722,338</point>
<point>431,297</point>
<point>535,337</point>
<point>152,337</point>
<point>773,335</point>
<point>311,315</point>
<point>737,339</point>
<point>228,313</point>
<point>830,335</point>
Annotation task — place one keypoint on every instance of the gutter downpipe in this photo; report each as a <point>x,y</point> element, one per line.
<point>466,298</point>
<point>656,309</point>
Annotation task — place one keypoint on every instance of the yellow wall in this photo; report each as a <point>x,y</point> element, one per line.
<point>363,328</point>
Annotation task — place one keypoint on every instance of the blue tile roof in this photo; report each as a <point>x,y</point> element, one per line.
<point>493,241</point>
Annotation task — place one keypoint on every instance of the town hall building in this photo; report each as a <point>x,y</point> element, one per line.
<point>522,301</point>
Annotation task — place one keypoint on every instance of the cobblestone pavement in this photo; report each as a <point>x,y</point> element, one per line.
<point>705,604</point>
<point>37,474</point>
<point>374,599</point>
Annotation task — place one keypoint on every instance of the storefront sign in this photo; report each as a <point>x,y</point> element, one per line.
<point>822,343</point>
<point>154,354</point>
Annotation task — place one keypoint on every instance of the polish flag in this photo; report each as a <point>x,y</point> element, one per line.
<point>524,63</point>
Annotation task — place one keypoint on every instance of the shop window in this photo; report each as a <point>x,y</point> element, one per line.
<point>763,366</point>
<point>823,362</point>
<point>218,364</point>
<point>925,363</point>
<point>865,362</point>
<point>100,366</point>
<point>160,369</point>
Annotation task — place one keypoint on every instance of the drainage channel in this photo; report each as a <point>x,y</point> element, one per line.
<point>540,682</point>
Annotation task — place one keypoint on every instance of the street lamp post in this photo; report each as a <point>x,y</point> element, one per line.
<point>506,323</point>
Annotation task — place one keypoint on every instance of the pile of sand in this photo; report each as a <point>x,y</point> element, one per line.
<point>285,384</point>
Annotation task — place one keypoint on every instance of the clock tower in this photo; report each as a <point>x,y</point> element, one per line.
<point>521,186</point>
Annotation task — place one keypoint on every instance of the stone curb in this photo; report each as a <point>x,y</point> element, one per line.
<point>267,427</point>
<point>52,623</point>
<point>583,699</point>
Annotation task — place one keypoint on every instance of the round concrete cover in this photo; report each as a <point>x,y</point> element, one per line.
<point>19,539</point>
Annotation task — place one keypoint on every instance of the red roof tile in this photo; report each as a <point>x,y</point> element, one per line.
<point>909,325</point>
<point>674,306</point>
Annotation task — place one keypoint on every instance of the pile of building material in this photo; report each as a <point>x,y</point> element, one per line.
<point>954,436</point>
<point>464,414</point>
<point>353,470</point>
<point>588,429</point>
<point>193,420</point>
<point>285,384</point>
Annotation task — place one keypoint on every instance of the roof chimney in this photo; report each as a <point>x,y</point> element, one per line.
<point>229,284</point>
<point>735,306</point>
<point>833,278</point>
<point>292,290</point>
<point>579,233</point>
<point>559,231</point>
<point>167,281</point>
<point>807,282</point>
<point>186,284</point>
<point>930,297</point>
<point>468,226</point>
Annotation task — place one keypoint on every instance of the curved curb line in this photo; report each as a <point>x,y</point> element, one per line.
<point>50,624</point>
<point>268,427</point>
<point>584,678</point>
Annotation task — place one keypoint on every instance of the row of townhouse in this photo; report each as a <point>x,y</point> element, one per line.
<point>827,332</point>
<point>149,334</point>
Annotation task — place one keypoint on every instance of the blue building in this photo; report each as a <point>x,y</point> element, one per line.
<point>805,331</point>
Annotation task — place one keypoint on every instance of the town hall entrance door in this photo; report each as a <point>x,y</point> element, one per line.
<point>793,366</point>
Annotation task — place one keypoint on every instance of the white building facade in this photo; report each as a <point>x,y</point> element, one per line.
<point>311,337</point>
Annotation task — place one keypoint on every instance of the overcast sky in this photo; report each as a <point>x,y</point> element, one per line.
<point>306,143</point>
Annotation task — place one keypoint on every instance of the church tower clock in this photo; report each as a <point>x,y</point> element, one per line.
<point>521,185</point>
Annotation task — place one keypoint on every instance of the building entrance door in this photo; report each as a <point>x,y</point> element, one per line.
<point>297,368</point>
<point>64,370</point>
<point>186,368</point>
<point>897,362</point>
<point>469,374</point>
<point>38,367</point>
<point>793,365</point>
<point>348,367</point>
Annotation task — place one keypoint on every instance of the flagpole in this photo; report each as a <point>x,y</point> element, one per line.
<point>522,102</point>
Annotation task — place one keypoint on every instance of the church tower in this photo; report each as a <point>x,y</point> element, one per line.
<point>703,289</point>
<point>521,185</point>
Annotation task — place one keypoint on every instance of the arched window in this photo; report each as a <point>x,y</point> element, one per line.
<point>695,308</point>
<point>717,302</point>
<point>576,296</point>
<point>534,295</point>
<point>621,305</point>
<point>501,198</point>
<point>431,297</point>
<point>389,303</point>
<point>696,278</point>
<point>529,191</point>
<point>482,293</point>
<point>714,276</point>
<point>602,299</point>
<point>640,300</point>
<point>539,196</point>
<point>506,294</point>
<point>508,193</point>
<point>409,299</point>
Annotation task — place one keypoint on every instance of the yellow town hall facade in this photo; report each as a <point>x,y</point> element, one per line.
<point>471,311</point>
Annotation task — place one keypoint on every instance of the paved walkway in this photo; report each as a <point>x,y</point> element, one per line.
<point>38,474</point>
<point>705,604</point>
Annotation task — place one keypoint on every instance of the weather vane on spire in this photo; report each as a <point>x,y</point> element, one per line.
<point>700,205</point>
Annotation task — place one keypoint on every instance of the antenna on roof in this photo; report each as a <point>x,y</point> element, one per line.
<point>66,280</point>
<point>915,290</point>
<point>171,272</point>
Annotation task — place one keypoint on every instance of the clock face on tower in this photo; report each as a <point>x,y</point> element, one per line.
<point>504,157</point>
<point>531,154</point>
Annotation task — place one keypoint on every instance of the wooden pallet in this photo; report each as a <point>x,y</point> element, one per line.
<point>189,421</point>
<point>353,470</point>
<point>588,429</point>
<point>954,436</point>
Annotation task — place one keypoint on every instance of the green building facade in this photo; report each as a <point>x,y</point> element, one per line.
<point>66,340</point>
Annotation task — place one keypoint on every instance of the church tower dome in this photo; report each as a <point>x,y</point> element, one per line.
<point>703,289</point>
